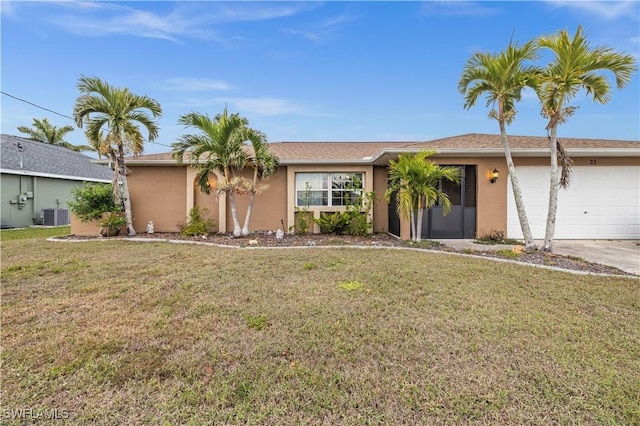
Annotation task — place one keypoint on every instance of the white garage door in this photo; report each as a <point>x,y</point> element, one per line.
<point>600,203</point>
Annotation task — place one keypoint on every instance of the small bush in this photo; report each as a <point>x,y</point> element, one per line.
<point>91,200</point>
<point>496,237</point>
<point>197,224</point>
<point>333,223</point>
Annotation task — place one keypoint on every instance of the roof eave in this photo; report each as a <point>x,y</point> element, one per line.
<point>52,175</point>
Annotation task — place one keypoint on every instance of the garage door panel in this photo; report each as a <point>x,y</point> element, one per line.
<point>601,202</point>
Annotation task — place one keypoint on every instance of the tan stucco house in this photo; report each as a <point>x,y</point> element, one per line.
<point>603,200</point>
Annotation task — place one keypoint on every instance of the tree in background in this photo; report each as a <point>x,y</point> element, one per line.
<point>415,181</point>
<point>575,66</point>
<point>220,146</point>
<point>119,113</point>
<point>501,78</point>
<point>43,131</point>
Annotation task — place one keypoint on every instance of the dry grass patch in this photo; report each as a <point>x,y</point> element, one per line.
<point>130,333</point>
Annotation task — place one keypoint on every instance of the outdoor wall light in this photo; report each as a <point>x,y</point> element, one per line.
<point>495,174</point>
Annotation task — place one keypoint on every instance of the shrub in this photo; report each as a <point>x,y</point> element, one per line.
<point>359,221</point>
<point>197,224</point>
<point>111,223</point>
<point>333,223</point>
<point>496,236</point>
<point>352,221</point>
<point>304,218</point>
<point>92,200</point>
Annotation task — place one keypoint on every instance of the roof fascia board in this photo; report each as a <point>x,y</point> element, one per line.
<point>52,175</point>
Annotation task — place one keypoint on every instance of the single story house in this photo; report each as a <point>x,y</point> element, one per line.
<point>603,200</point>
<point>37,178</point>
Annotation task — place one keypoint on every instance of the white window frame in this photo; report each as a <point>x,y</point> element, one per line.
<point>326,187</point>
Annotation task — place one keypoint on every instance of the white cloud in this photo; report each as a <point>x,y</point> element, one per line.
<point>322,31</point>
<point>608,10</point>
<point>458,8</point>
<point>169,21</point>
<point>188,84</point>
<point>6,8</point>
<point>266,106</point>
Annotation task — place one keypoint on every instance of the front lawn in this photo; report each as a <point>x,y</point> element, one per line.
<point>34,232</point>
<point>117,332</point>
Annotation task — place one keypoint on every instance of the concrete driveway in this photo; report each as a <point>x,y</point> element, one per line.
<point>622,254</point>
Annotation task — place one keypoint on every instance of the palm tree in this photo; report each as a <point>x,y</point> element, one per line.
<point>120,113</point>
<point>44,131</point>
<point>415,180</point>
<point>575,66</point>
<point>220,147</point>
<point>501,78</point>
<point>101,146</point>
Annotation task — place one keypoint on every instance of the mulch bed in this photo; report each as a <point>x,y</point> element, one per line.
<point>268,239</point>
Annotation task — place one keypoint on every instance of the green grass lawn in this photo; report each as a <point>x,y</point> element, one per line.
<point>34,232</point>
<point>116,332</point>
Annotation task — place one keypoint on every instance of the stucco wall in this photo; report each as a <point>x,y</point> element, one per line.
<point>210,201</point>
<point>269,207</point>
<point>158,194</point>
<point>380,206</point>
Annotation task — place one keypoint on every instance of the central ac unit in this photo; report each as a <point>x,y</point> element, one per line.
<point>55,217</point>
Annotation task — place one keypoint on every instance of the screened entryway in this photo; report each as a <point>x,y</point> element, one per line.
<point>461,220</point>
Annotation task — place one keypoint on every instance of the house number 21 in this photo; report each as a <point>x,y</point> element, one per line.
<point>593,162</point>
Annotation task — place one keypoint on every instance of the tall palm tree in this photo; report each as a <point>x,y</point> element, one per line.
<point>44,131</point>
<point>576,66</point>
<point>220,147</point>
<point>120,113</point>
<point>415,181</point>
<point>501,78</point>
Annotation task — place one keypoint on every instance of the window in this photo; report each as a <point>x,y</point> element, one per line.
<point>328,189</point>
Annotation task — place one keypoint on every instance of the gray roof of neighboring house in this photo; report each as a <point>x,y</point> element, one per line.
<point>46,160</point>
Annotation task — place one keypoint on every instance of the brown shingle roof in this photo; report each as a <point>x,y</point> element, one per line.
<point>472,143</point>
<point>484,141</point>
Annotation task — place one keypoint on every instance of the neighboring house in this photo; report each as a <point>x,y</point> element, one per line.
<point>603,200</point>
<point>37,178</point>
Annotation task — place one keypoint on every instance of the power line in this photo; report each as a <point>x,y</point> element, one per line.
<point>37,106</point>
<point>60,114</point>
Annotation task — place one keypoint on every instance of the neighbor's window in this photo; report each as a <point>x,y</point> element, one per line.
<point>328,189</point>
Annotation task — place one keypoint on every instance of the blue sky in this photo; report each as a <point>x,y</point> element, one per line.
<point>301,71</point>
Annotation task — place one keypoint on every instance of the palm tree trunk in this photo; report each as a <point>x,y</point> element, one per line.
<point>237,232</point>
<point>127,206</point>
<point>553,192</point>
<point>419,221</point>
<point>412,219</point>
<point>121,166</point>
<point>517,193</point>
<point>116,177</point>
<point>247,218</point>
